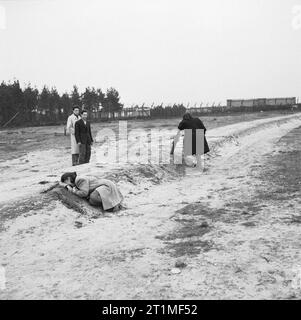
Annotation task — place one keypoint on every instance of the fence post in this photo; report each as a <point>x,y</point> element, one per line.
<point>11,119</point>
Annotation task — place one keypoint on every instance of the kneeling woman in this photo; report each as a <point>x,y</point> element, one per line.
<point>100,192</point>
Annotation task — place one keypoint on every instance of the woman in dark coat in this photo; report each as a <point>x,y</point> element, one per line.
<point>194,143</point>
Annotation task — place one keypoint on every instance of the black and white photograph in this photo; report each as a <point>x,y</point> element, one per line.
<point>150,150</point>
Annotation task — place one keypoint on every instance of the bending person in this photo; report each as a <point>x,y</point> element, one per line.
<point>99,192</point>
<point>193,145</point>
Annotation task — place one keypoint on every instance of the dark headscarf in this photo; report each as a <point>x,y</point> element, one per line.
<point>187,116</point>
<point>71,175</point>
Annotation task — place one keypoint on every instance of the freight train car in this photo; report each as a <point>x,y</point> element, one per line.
<point>281,101</point>
<point>262,102</point>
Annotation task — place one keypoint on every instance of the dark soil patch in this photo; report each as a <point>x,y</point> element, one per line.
<point>296,219</point>
<point>43,182</point>
<point>16,142</point>
<point>196,219</point>
<point>74,202</point>
<point>188,248</point>
<point>185,239</point>
<point>229,214</point>
<point>293,220</point>
<point>281,176</point>
<point>112,258</point>
<point>78,224</point>
<point>187,229</point>
<point>201,210</point>
<point>245,208</point>
<point>21,207</point>
<point>249,224</point>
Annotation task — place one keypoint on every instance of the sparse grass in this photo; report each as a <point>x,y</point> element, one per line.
<point>12,210</point>
<point>188,248</point>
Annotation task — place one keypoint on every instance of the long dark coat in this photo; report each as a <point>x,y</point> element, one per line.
<point>83,132</point>
<point>190,135</point>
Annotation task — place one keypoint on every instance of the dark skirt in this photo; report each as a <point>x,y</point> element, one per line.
<point>195,144</point>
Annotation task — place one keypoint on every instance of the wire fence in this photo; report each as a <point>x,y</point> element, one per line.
<point>152,112</point>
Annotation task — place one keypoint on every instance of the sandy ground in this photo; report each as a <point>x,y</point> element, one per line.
<point>32,158</point>
<point>232,231</point>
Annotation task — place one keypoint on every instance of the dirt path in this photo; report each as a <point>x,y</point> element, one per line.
<point>224,228</point>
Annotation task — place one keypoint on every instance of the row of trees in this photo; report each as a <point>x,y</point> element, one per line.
<point>25,106</point>
<point>176,110</point>
<point>29,106</point>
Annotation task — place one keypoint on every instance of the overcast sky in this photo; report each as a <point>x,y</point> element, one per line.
<point>155,50</point>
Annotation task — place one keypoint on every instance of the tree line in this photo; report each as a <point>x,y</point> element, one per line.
<point>177,110</point>
<point>29,106</point>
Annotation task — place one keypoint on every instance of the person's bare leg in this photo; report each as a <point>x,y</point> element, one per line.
<point>75,157</point>
<point>200,162</point>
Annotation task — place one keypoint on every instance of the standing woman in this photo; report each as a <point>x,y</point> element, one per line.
<point>71,130</point>
<point>194,143</point>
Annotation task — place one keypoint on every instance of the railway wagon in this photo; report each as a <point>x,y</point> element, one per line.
<point>261,102</point>
<point>281,101</point>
